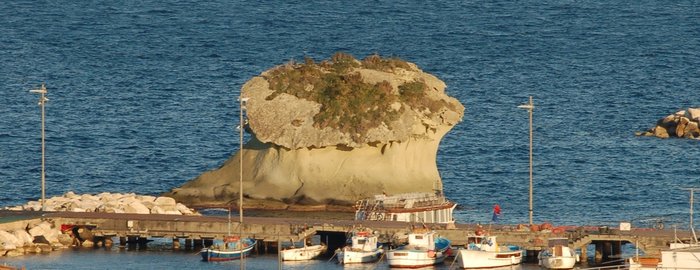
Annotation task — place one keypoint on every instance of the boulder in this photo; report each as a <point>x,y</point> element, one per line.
<point>9,241</point>
<point>88,243</point>
<point>163,201</point>
<point>71,195</point>
<point>694,114</point>
<point>23,237</point>
<point>183,209</point>
<point>692,130</point>
<point>661,132</point>
<point>42,228</point>
<point>65,239</point>
<point>136,208</point>
<point>680,127</point>
<point>14,252</point>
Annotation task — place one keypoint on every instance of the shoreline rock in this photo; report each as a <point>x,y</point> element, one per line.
<point>42,237</point>
<point>29,236</point>
<point>682,124</point>
<point>109,203</point>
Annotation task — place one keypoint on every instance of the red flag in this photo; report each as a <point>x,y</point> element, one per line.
<point>496,212</point>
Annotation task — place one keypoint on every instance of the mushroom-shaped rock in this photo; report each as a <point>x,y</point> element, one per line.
<point>333,133</point>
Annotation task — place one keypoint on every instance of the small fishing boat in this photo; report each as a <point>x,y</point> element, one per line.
<point>484,252</point>
<point>362,249</point>
<point>303,253</point>
<point>229,251</point>
<point>558,255</point>
<point>424,248</point>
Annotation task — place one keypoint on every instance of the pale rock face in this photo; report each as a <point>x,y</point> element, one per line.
<point>165,201</point>
<point>24,237</point>
<point>40,229</point>
<point>136,207</point>
<point>289,160</point>
<point>9,241</point>
<point>694,114</point>
<point>107,203</point>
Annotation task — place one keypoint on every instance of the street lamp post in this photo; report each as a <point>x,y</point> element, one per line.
<point>530,106</point>
<point>42,103</point>
<point>242,102</point>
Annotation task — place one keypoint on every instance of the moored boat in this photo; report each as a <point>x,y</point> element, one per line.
<point>362,249</point>
<point>302,253</point>
<point>407,207</point>
<point>558,255</point>
<point>484,252</point>
<point>229,251</point>
<point>424,248</point>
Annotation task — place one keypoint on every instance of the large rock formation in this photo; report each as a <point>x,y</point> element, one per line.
<point>332,133</point>
<point>682,124</point>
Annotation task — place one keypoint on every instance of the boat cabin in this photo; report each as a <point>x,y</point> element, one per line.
<point>364,241</point>
<point>482,242</point>
<point>422,239</point>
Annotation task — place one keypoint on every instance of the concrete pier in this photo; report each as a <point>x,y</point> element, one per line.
<point>134,231</point>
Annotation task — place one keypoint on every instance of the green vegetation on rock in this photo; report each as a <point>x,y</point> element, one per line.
<point>347,102</point>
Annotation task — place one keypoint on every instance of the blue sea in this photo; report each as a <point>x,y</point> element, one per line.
<point>143,98</point>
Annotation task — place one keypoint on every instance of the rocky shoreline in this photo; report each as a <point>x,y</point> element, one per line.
<point>682,124</point>
<point>42,236</point>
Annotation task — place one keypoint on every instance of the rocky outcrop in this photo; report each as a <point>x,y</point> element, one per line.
<point>333,133</point>
<point>109,203</point>
<point>682,124</point>
<point>37,237</point>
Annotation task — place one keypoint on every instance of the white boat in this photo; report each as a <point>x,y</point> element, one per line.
<point>362,249</point>
<point>419,207</point>
<point>485,252</point>
<point>424,248</point>
<point>302,253</point>
<point>558,255</point>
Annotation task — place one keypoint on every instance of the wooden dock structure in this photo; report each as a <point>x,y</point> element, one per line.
<point>197,231</point>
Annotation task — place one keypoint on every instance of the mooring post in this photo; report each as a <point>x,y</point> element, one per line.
<point>176,243</point>
<point>208,242</point>
<point>188,243</point>
<point>617,248</point>
<point>598,252</point>
<point>131,242</point>
<point>143,241</point>
<point>122,242</point>
<point>607,250</point>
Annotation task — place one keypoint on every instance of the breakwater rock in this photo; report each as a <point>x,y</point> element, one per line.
<point>32,237</point>
<point>682,124</point>
<point>332,133</point>
<point>110,203</point>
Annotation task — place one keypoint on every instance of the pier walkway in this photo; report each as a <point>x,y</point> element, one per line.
<point>202,230</point>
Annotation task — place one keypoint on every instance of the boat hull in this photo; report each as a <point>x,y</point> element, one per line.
<point>218,255</point>
<point>302,253</point>
<point>558,262</point>
<point>401,258</point>
<point>557,257</point>
<point>488,259</point>
<point>351,257</point>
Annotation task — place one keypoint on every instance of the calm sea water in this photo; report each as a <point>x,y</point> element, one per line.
<point>142,96</point>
